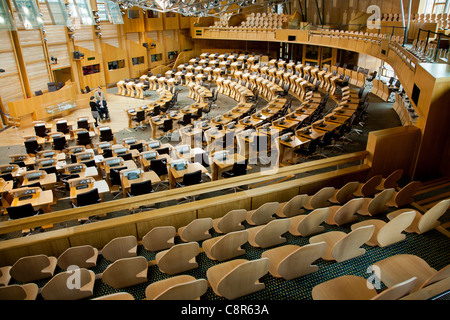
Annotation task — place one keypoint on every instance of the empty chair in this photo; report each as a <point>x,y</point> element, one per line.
<point>33,268</point>
<point>226,247</point>
<point>126,272</point>
<point>82,256</point>
<point>191,178</point>
<point>196,230</point>
<point>40,130</point>
<point>28,291</point>
<point>116,296</point>
<point>405,195</point>
<point>369,187</point>
<point>308,224</point>
<point>292,207</point>
<point>238,277</point>
<point>263,214</point>
<point>32,147</point>
<point>377,204</point>
<point>179,258</point>
<point>62,286</point>
<point>342,246</point>
<point>88,198</point>
<point>401,267</point>
<point>121,247</point>
<point>60,143</point>
<point>387,233</point>
<point>231,221</point>
<point>140,118</point>
<point>341,215</point>
<point>22,211</point>
<point>83,139</point>
<point>4,275</point>
<point>140,188</point>
<point>319,199</point>
<point>268,235</point>
<point>183,287</point>
<point>391,181</point>
<point>159,238</point>
<point>292,261</point>
<point>350,287</point>
<point>238,169</point>
<point>345,193</point>
<point>426,222</point>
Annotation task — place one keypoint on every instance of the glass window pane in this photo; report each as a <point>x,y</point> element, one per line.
<point>114,13</point>
<point>58,12</point>
<point>85,12</point>
<point>6,21</point>
<point>29,14</point>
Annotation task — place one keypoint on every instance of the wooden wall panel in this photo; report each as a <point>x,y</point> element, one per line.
<point>137,50</point>
<point>111,53</point>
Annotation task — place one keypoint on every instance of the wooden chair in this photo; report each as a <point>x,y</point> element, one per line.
<point>33,268</point>
<point>179,258</point>
<point>308,224</point>
<point>292,261</point>
<point>320,198</point>
<point>350,287</point>
<point>237,278</point>
<point>58,289</point>
<point>391,181</point>
<point>227,246</point>
<point>5,276</point>
<point>387,233</point>
<point>405,195</point>
<point>268,235</point>
<point>116,296</point>
<point>183,287</point>
<point>121,247</point>
<point>27,291</point>
<point>369,187</point>
<point>231,221</point>
<point>126,272</point>
<point>401,267</point>
<point>263,214</point>
<point>292,207</point>
<point>345,214</point>
<point>345,193</point>
<point>377,204</point>
<point>196,230</point>
<point>342,246</point>
<point>81,256</point>
<point>159,238</point>
<point>426,222</point>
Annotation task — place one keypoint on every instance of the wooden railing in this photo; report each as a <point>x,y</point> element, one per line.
<point>178,193</point>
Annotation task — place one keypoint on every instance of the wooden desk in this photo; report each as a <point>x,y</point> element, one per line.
<point>146,163</point>
<point>145,176</point>
<point>219,166</point>
<point>100,185</point>
<point>41,200</point>
<point>287,149</point>
<point>177,175</point>
<point>310,135</point>
<point>287,124</point>
<point>47,180</point>
<point>327,126</point>
<point>6,186</point>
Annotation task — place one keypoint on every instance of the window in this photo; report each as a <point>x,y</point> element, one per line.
<point>101,8</point>
<point>58,12</point>
<point>133,14</point>
<point>152,14</point>
<point>172,54</point>
<point>87,70</point>
<point>156,57</point>
<point>118,64</point>
<point>137,60</point>
<point>170,14</point>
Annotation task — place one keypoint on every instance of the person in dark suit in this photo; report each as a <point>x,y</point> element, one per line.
<point>94,109</point>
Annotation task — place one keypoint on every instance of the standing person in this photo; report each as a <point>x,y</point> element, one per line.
<point>102,106</point>
<point>94,109</point>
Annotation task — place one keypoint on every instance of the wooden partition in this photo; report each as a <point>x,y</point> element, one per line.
<point>115,63</point>
<point>90,68</point>
<point>137,58</point>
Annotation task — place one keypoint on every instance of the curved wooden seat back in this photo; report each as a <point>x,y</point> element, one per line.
<point>378,204</point>
<point>196,230</point>
<point>179,258</point>
<point>391,180</point>
<point>292,261</point>
<point>126,272</point>
<point>81,256</point>
<point>5,276</point>
<point>346,214</point>
<point>438,276</point>
<point>238,277</point>
<point>27,291</point>
<point>58,289</point>
<point>159,238</point>
<point>349,247</point>
<point>429,220</point>
<point>293,207</point>
<point>306,225</point>
<point>227,246</point>
<point>405,195</point>
<point>392,231</point>
<point>183,287</point>
<point>398,291</point>
<point>320,198</point>
<point>231,221</point>
<point>33,268</point>
<point>348,287</point>
<point>116,296</point>
<point>345,193</point>
<point>269,235</point>
<point>263,214</point>
<point>121,247</point>
<point>369,187</point>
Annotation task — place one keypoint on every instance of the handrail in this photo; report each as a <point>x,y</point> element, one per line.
<point>173,194</point>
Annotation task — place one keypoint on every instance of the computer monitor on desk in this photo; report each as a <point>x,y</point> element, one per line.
<point>149,155</point>
<point>132,174</point>
<point>179,164</point>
